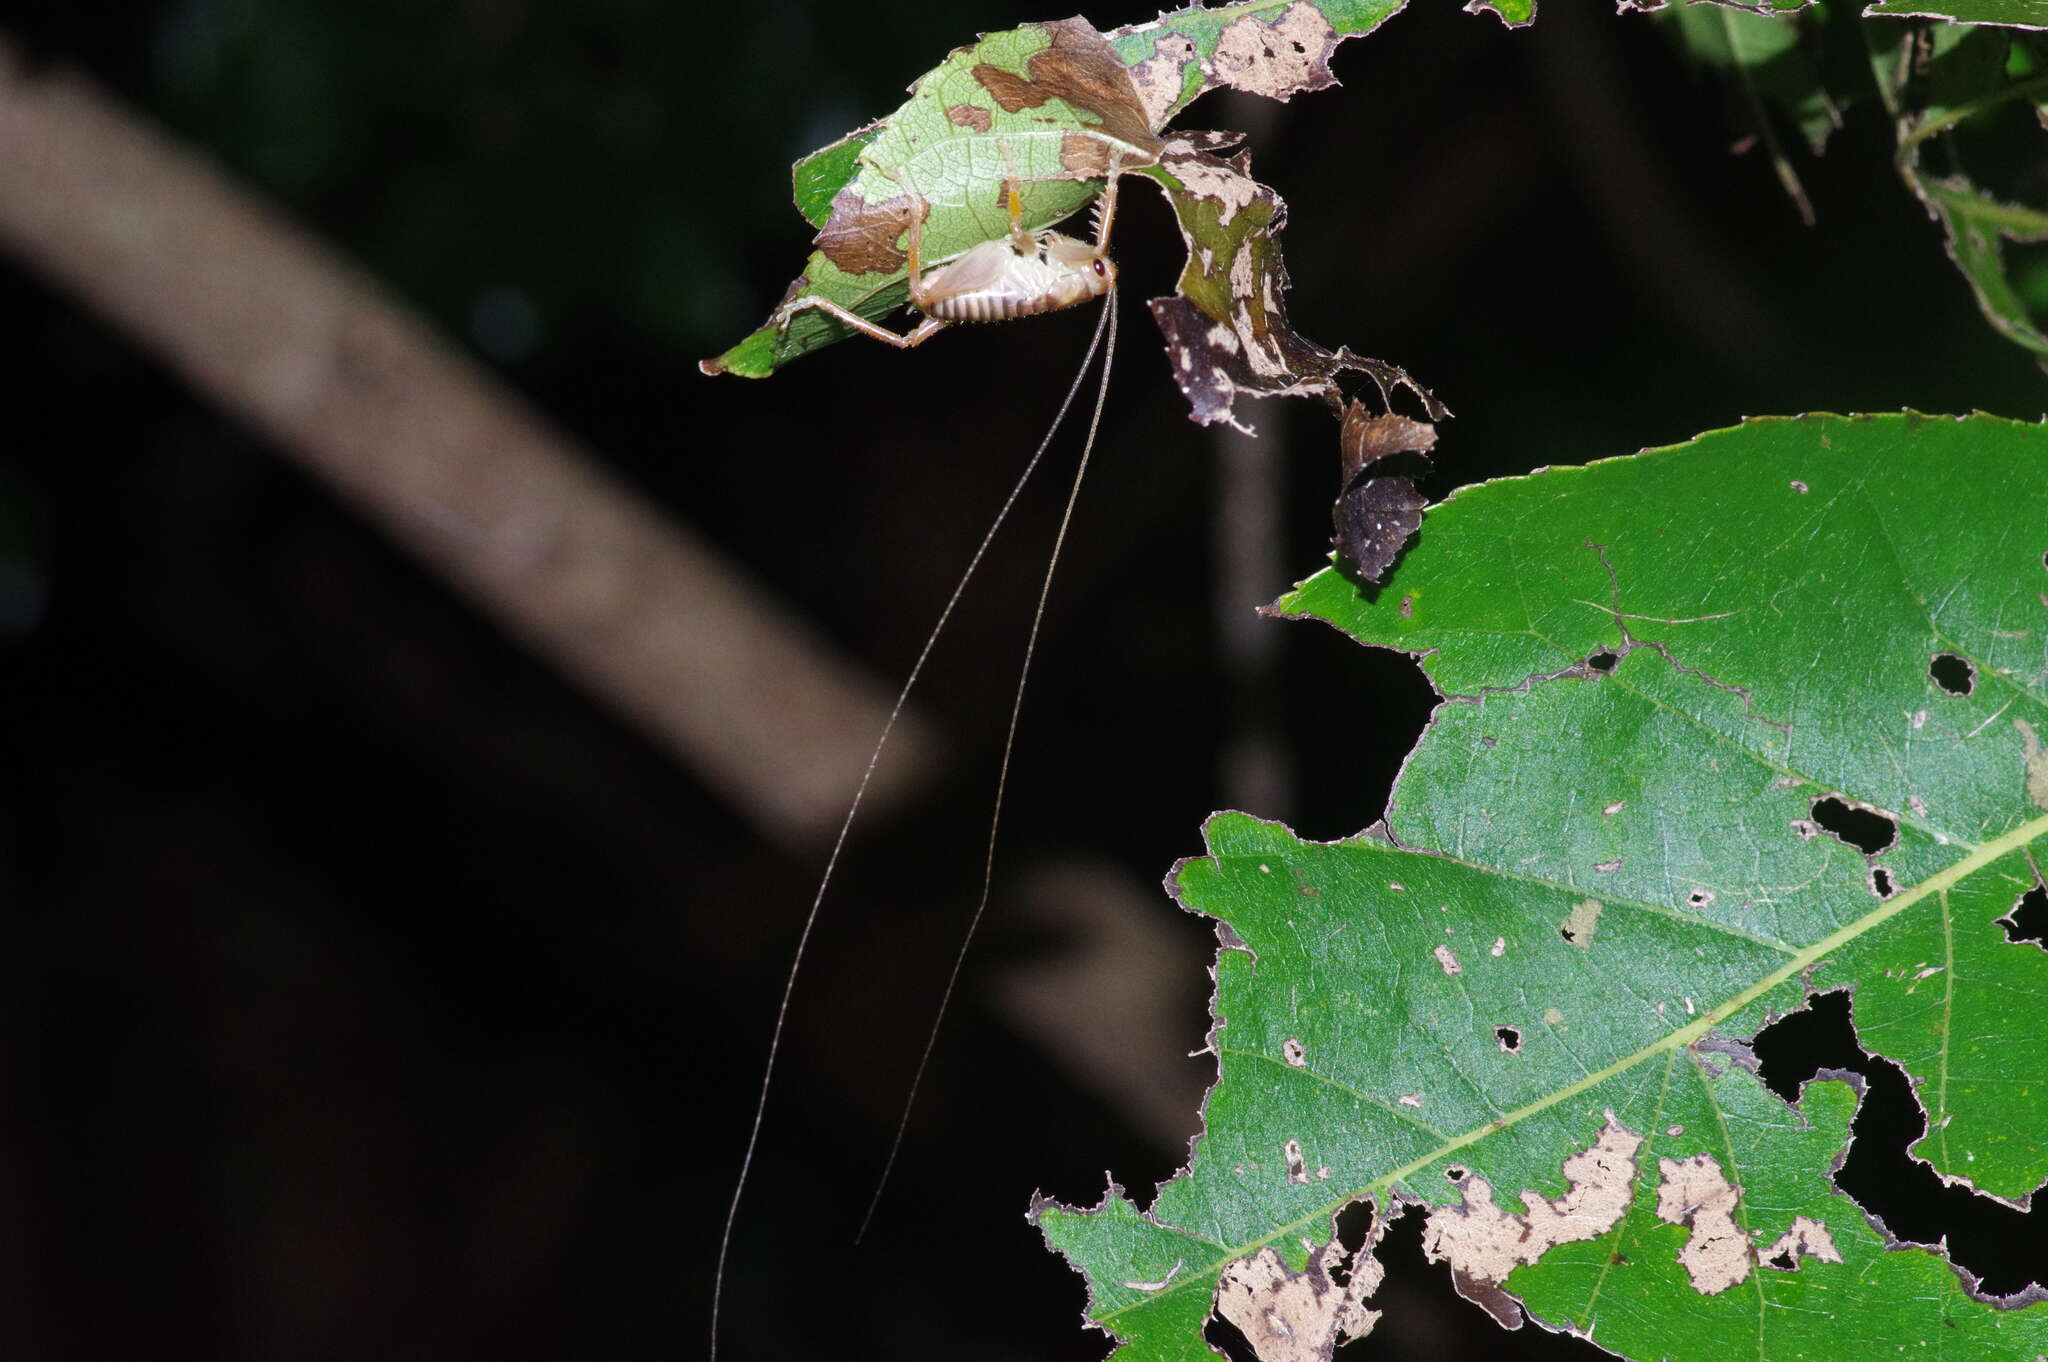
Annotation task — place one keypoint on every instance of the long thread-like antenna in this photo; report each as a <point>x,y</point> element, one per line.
<point>732,1210</point>
<point>988,871</point>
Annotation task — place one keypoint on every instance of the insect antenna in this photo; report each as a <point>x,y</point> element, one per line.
<point>988,870</point>
<point>1106,325</point>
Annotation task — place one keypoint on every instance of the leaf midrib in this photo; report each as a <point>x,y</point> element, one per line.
<point>1984,854</point>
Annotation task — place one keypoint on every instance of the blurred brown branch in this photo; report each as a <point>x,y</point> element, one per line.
<point>271,325</point>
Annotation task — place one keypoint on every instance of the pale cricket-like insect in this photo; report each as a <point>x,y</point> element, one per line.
<point>1021,274</point>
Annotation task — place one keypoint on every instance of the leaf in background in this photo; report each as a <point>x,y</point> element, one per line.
<point>1771,63</point>
<point>1527,1010</point>
<point>1226,324</point>
<point>1967,104</point>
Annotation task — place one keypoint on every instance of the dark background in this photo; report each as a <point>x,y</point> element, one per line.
<point>372,992</point>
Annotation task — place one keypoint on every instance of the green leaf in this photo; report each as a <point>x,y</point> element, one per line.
<point>1049,107</point>
<point>2015,13</point>
<point>817,179</point>
<point>1526,1009</point>
<point>1513,13</point>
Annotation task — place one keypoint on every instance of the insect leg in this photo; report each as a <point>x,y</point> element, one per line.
<point>1105,208</point>
<point>916,336</point>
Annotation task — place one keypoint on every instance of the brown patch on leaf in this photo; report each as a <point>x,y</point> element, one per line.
<point>1080,67</point>
<point>1226,330</point>
<point>1505,1309</point>
<point>972,116</point>
<point>1085,157</point>
<point>1695,1193</point>
<point>1161,77</point>
<point>1378,507</point>
<point>1492,7</point>
<point>1301,1316</point>
<point>860,237</point>
<point>1278,59</point>
<point>1807,1238</point>
<point>2036,759</point>
<point>1486,1243</point>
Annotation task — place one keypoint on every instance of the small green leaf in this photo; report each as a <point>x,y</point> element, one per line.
<point>1527,1011</point>
<point>1513,13</point>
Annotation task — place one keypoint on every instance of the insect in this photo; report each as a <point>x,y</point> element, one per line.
<point>1021,274</point>
<point>1010,277</point>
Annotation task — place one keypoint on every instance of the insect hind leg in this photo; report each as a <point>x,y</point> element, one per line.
<point>908,340</point>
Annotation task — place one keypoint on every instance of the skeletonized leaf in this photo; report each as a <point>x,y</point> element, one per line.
<point>1771,66</point>
<point>1527,1011</point>
<point>1226,325</point>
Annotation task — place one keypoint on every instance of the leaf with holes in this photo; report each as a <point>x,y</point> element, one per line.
<point>1725,724</point>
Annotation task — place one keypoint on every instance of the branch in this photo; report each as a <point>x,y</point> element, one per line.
<point>277,330</point>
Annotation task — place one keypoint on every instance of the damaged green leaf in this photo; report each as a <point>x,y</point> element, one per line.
<point>1527,1011</point>
<point>1226,325</point>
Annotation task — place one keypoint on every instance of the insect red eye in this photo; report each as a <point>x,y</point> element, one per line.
<point>1101,268</point>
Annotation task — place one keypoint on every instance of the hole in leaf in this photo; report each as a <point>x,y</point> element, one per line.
<point>1602,661</point>
<point>1228,1341</point>
<point>1784,1262</point>
<point>2028,920</point>
<point>2005,1248</point>
<point>1510,1038</point>
<point>1881,882</point>
<point>1953,674</point>
<point>1354,1222</point>
<point>1457,1172</point>
<point>1458,1328</point>
<point>1869,831</point>
<point>1699,898</point>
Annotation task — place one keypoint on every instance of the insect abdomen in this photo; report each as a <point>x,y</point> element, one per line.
<point>976,307</point>
<point>996,283</point>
